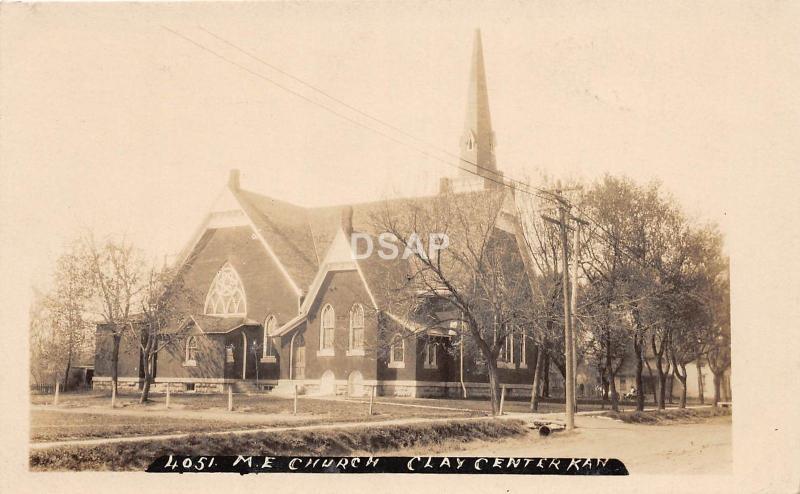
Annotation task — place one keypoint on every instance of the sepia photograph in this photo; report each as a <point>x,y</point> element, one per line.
<point>424,238</point>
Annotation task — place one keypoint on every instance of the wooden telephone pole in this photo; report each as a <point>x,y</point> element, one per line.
<point>570,303</point>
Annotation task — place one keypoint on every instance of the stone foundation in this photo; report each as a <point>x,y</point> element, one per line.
<point>121,385</point>
<point>161,387</point>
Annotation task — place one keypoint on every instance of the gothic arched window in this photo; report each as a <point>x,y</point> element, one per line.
<point>357,327</point>
<point>270,325</point>
<point>226,295</point>
<point>191,351</point>
<point>327,328</point>
<point>397,351</point>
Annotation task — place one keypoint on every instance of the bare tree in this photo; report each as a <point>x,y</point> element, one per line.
<point>541,249</point>
<point>114,269</point>
<point>41,338</point>
<point>479,276</point>
<point>66,307</point>
<point>160,325</point>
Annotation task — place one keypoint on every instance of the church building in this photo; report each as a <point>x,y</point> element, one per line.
<point>283,302</point>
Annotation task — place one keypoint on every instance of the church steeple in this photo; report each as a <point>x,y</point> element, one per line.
<point>477,141</point>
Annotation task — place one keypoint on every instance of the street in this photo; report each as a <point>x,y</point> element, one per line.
<point>702,448</point>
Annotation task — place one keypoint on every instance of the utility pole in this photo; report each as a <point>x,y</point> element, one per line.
<point>576,255</point>
<point>569,366</point>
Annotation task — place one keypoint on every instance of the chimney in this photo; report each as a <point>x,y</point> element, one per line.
<point>233,179</point>
<point>347,220</point>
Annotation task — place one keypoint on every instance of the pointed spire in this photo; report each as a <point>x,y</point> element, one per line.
<point>477,141</point>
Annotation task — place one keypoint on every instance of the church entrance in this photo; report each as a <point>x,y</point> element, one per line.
<point>299,358</point>
<point>247,358</point>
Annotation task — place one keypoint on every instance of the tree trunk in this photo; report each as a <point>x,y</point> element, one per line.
<point>639,370</point>
<point>537,376</point>
<point>148,374</point>
<point>546,376</point>
<point>660,372</point>
<point>494,387</point>
<point>671,385</point>
<point>682,375</point>
<point>683,392</point>
<point>610,374</point>
<point>66,372</point>
<point>146,387</point>
<point>115,362</point>
<point>662,385</point>
<point>652,380</point>
<point>717,384</point>
<point>700,382</point>
<point>613,392</point>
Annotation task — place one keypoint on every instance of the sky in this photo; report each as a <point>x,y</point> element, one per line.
<point>114,122</point>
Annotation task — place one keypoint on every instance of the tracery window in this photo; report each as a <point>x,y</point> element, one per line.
<point>269,329</point>
<point>226,295</point>
<point>327,327</point>
<point>357,327</point>
<point>397,351</point>
<point>191,350</point>
<point>430,355</point>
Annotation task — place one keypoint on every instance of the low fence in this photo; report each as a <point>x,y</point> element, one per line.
<point>42,389</point>
<point>48,389</point>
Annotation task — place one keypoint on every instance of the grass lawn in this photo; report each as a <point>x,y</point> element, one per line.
<point>357,441</point>
<point>58,426</point>
<point>201,412</point>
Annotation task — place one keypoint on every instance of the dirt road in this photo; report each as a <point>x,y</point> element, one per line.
<point>652,449</point>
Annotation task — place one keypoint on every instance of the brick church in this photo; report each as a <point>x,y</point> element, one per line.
<point>283,302</point>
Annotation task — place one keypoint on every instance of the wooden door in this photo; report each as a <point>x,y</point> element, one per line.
<point>299,360</point>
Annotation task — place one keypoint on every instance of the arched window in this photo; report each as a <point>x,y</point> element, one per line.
<point>327,326</point>
<point>357,327</point>
<point>191,351</point>
<point>397,351</point>
<point>226,295</point>
<point>430,354</point>
<point>270,325</point>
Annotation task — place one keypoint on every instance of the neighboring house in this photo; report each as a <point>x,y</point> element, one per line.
<point>283,302</point>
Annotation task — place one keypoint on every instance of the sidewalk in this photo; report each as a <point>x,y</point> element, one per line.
<point>221,415</point>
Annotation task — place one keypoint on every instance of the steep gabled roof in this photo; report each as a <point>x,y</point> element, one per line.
<point>301,239</point>
<point>285,229</point>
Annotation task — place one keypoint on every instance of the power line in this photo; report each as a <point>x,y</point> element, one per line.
<point>345,117</point>
<point>504,181</point>
<point>359,111</point>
